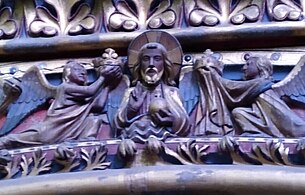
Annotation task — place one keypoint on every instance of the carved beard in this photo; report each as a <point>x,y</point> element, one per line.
<point>152,75</point>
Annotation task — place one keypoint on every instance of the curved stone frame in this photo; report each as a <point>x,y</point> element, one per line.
<point>222,38</point>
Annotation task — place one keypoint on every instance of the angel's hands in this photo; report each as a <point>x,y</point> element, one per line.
<point>112,74</point>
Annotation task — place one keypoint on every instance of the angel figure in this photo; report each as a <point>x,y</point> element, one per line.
<point>268,114</point>
<point>74,113</point>
<point>9,91</point>
<point>210,98</point>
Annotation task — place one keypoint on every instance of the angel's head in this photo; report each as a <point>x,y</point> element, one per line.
<point>74,72</point>
<point>257,67</point>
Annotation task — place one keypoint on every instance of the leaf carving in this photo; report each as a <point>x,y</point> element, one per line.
<point>285,9</point>
<point>138,15</point>
<point>35,165</point>
<point>8,165</point>
<point>204,13</point>
<point>189,153</point>
<point>272,153</point>
<point>8,26</point>
<point>65,22</point>
<point>95,160</point>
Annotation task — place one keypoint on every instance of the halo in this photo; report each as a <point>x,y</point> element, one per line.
<point>171,44</point>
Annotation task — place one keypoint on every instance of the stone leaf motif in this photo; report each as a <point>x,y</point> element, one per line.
<point>133,15</point>
<point>65,159</point>
<point>8,167</point>
<point>8,26</point>
<point>273,153</point>
<point>35,165</point>
<point>205,13</point>
<point>188,153</point>
<point>285,9</point>
<point>95,160</point>
<point>66,23</point>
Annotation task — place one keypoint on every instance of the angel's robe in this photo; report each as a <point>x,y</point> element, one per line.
<point>141,127</point>
<point>69,117</point>
<point>270,116</point>
<point>218,96</point>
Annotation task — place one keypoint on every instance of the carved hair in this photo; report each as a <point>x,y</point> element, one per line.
<point>168,75</point>
<point>67,69</point>
<point>264,66</point>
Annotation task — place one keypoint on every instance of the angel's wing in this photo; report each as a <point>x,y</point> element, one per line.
<point>36,91</point>
<point>188,88</point>
<point>293,85</point>
<point>9,92</point>
<point>115,98</point>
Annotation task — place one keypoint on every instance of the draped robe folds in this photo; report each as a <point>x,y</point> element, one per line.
<point>68,118</point>
<point>141,127</point>
<point>218,96</point>
<point>269,116</point>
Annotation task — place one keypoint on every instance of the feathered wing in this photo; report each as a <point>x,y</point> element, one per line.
<point>293,85</point>
<point>36,91</point>
<point>188,88</point>
<point>9,92</point>
<point>2,95</point>
<point>115,97</point>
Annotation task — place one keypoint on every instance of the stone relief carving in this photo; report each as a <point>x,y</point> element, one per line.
<point>51,18</point>
<point>8,26</point>
<point>75,113</point>
<point>285,10</point>
<point>64,159</point>
<point>211,13</point>
<point>268,114</point>
<point>138,15</point>
<point>66,21</point>
<point>166,104</point>
<point>210,105</point>
<point>153,108</point>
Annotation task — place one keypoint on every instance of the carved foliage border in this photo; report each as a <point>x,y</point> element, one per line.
<point>48,18</point>
<point>64,159</point>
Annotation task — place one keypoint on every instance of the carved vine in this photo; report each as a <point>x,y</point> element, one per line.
<point>8,26</point>
<point>211,13</point>
<point>130,15</point>
<point>65,160</point>
<point>64,22</point>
